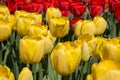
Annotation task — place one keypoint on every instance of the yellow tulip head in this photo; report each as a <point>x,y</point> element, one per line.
<point>65,57</point>
<point>59,26</point>
<point>31,49</point>
<point>25,74</point>
<point>5,73</point>
<point>100,24</point>
<point>88,26</point>
<point>4,12</point>
<point>52,12</point>
<point>5,30</point>
<point>23,23</point>
<point>105,70</point>
<point>35,30</point>
<point>77,28</point>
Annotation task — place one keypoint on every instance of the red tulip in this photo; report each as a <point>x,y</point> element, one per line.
<point>26,7</point>
<point>77,9</point>
<point>97,2</point>
<point>113,5</point>
<point>37,7</point>
<point>37,1</point>
<point>117,14</point>
<point>65,13</point>
<point>95,10</point>
<point>46,5</point>
<point>12,6</point>
<point>64,5</point>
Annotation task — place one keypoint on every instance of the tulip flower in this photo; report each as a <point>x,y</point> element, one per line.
<point>5,73</point>
<point>88,26</point>
<point>23,23</point>
<point>105,70</point>
<point>35,30</point>
<point>42,31</point>
<point>25,74</point>
<point>59,26</point>
<point>77,9</point>
<point>52,12</point>
<point>101,25</point>
<point>31,49</point>
<point>5,30</point>
<point>37,17</point>
<point>65,57</point>
<point>110,50</point>
<point>78,27</point>
<point>82,41</point>
<point>4,12</point>
<point>95,10</point>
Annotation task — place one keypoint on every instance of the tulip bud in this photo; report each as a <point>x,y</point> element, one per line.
<point>23,23</point>
<point>85,52</point>
<point>88,27</point>
<point>101,25</point>
<point>52,12</point>
<point>25,74</point>
<point>4,12</point>
<point>37,18</point>
<point>77,28</point>
<point>5,73</point>
<point>31,49</point>
<point>12,22</point>
<point>35,30</point>
<point>5,30</point>
<point>105,70</point>
<point>89,77</point>
<point>65,57</point>
<point>43,31</point>
<point>59,26</point>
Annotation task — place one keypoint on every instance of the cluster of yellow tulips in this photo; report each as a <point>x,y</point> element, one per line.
<point>38,40</point>
<point>96,26</point>
<point>6,74</point>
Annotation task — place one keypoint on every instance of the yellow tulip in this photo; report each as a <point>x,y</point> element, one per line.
<point>12,21</point>
<point>45,34</point>
<point>21,13</point>
<point>88,26</point>
<point>23,23</point>
<point>59,26</point>
<point>105,70</point>
<point>85,52</point>
<point>4,12</point>
<point>77,28</point>
<point>5,73</point>
<point>52,12</point>
<point>65,57</point>
<point>100,24</point>
<point>95,46</point>
<point>31,49</point>
<point>48,40</point>
<point>85,49</point>
<point>35,30</point>
<point>5,30</point>
<point>25,74</point>
<point>110,50</point>
<point>37,17</point>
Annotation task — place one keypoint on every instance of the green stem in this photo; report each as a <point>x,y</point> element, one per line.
<point>34,70</point>
<point>82,70</point>
<point>113,29</point>
<point>40,72</point>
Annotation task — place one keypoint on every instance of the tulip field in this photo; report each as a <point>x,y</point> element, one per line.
<point>59,39</point>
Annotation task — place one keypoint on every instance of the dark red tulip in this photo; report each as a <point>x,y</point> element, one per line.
<point>95,10</point>
<point>77,9</point>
